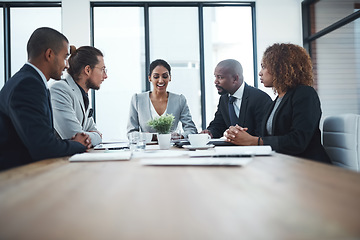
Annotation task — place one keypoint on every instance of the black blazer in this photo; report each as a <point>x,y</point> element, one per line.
<point>26,124</point>
<point>250,116</point>
<point>296,125</point>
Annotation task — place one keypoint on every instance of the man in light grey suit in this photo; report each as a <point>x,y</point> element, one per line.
<point>69,97</point>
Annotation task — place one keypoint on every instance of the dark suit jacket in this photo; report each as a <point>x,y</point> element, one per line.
<point>250,116</point>
<point>296,125</point>
<point>26,125</point>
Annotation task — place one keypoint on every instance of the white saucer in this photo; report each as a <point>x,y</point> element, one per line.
<point>198,148</point>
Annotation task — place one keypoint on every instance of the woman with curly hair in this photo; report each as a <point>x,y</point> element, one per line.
<point>291,124</point>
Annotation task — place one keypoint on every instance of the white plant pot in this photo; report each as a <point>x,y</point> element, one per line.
<point>164,140</point>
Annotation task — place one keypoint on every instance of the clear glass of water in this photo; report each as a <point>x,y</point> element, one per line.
<point>141,144</point>
<point>133,140</point>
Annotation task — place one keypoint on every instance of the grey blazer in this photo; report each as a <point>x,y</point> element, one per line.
<point>140,113</point>
<point>69,111</point>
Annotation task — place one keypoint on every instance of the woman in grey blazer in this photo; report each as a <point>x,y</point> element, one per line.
<point>148,105</point>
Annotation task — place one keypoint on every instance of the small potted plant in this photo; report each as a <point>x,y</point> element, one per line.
<point>162,126</point>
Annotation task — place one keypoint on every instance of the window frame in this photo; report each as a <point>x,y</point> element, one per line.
<point>7,29</point>
<point>308,38</point>
<point>200,6</point>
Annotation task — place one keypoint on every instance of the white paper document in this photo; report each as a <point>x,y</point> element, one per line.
<point>234,151</point>
<point>110,155</point>
<point>205,161</point>
<point>159,153</point>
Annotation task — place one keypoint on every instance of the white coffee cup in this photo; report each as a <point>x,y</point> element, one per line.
<point>199,140</point>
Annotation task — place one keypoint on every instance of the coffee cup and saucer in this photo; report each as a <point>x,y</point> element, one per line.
<point>199,141</point>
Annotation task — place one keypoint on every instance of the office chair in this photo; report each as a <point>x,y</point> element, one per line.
<point>341,136</point>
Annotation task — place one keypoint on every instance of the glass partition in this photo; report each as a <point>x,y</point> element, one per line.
<point>336,60</point>
<point>327,12</point>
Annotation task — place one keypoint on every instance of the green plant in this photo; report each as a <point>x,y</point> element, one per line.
<point>162,124</point>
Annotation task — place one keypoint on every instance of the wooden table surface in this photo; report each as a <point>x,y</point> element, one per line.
<point>273,197</point>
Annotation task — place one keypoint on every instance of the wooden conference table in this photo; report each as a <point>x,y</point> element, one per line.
<point>273,197</point>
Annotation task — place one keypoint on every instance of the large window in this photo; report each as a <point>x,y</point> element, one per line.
<point>177,42</point>
<point>18,21</point>
<point>192,37</point>
<point>21,30</point>
<point>119,34</point>
<point>228,33</point>
<point>332,37</point>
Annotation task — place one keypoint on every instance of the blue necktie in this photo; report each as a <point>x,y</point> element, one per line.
<point>232,114</point>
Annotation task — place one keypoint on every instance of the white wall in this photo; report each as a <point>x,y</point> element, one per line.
<point>76,21</point>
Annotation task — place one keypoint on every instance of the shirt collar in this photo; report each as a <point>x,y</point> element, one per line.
<point>84,95</point>
<point>41,74</point>
<point>81,89</point>
<point>239,93</point>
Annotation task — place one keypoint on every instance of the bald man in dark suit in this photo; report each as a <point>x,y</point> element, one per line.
<point>247,102</point>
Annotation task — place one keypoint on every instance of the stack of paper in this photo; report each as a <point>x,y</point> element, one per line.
<point>234,151</point>
<point>206,161</point>
<point>111,155</point>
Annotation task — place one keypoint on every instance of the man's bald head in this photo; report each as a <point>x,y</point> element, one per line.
<point>228,76</point>
<point>233,67</point>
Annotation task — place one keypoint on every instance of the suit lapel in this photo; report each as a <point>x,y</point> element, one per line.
<point>281,105</point>
<point>244,105</point>
<point>145,99</point>
<point>29,68</point>
<point>78,95</point>
<point>224,104</point>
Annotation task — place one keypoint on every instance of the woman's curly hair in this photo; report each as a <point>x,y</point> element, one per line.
<point>289,64</point>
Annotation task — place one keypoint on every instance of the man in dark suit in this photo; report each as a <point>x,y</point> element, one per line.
<point>246,107</point>
<point>26,121</point>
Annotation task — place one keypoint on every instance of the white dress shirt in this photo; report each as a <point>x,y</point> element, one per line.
<point>154,113</point>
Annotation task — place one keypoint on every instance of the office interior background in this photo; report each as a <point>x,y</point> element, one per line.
<point>193,36</point>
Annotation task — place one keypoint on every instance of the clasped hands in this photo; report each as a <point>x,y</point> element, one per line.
<point>82,138</point>
<point>239,136</point>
